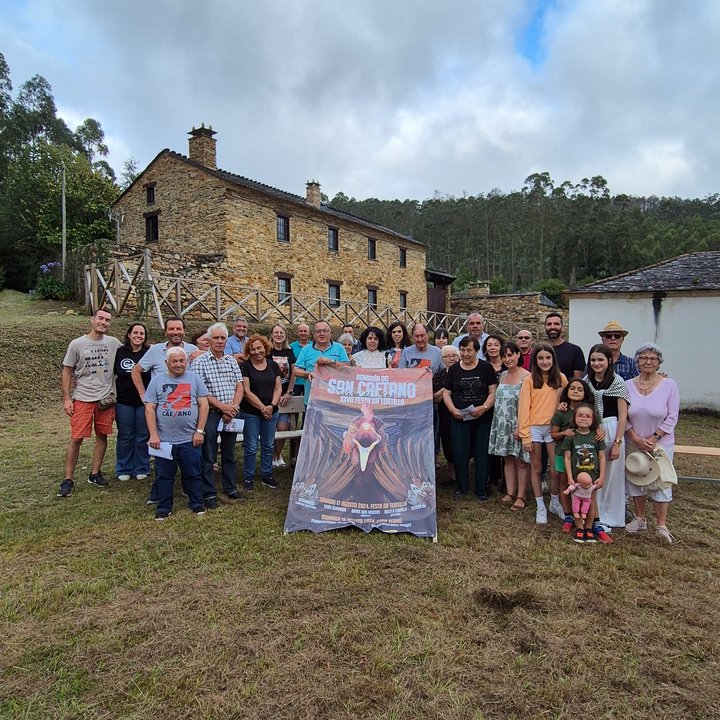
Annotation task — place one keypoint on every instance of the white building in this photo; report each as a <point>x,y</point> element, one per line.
<point>675,304</point>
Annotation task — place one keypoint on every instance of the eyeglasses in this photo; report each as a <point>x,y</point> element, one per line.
<point>613,336</point>
<point>648,358</point>
<point>524,337</point>
<point>321,330</point>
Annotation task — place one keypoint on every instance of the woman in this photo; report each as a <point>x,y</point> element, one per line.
<point>491,349</point>
<point>396,340</point>
<point>470,393</point>
<point>259,408</point>
<point>441,338</point>
<point>611,406</point>
<point>200,340</point>
<point>449,355</point>
<point>504,433</point>
<point>285,359</point>
<point>131,452</point>
<point>372,354</point>
<point>652,417</point>
<point>347,341</point>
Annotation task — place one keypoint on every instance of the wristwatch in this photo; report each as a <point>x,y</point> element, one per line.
<point>198,430</point>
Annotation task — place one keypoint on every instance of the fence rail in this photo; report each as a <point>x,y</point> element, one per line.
<point>130,285</point>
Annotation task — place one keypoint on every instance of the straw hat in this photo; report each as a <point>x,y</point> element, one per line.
<point>641,468</point>
<point>613,327</point>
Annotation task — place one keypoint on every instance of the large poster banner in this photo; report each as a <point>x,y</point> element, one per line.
<point>367,453</point>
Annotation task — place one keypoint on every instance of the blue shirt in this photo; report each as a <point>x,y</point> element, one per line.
<point>626,367</point>
<point>309,356</point>
<point>296,347</point>
<point>154,359</point>
<point>233,346</point>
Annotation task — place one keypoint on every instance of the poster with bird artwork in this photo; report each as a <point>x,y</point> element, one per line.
<point>367,456</point>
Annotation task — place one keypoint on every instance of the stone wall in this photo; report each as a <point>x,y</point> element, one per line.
<point>516,310</point>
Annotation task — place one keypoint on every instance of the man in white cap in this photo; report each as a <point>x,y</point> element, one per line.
<point>613,335</point>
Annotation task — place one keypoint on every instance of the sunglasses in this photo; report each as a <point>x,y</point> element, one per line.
<point>613,336</point>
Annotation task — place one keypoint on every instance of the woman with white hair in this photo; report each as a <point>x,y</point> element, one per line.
<point>652,416</point>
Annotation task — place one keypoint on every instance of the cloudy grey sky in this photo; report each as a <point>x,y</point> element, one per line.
<point>393,98</point>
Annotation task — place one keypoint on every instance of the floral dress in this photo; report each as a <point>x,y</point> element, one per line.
<point>504,424</point>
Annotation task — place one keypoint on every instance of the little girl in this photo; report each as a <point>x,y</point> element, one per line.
<point>538,401</point>
<point>574,393</point>
<point>584,454</point>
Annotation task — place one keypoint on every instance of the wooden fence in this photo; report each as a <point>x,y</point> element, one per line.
<point>129,286</point>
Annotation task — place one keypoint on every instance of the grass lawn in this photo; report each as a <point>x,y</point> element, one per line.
<point>105,613</point>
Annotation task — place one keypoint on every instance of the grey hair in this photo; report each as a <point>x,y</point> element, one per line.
<point>346,337</point>
<point>239,318</point>
<point>449,350</point>
<point>175,351</point>
<point>649,347</point>
<point>217,326</point>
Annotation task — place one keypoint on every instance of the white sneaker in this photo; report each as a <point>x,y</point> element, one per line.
<point>556,509</point>
<point>280,462</point>
<point>123,478</point>
<point>541,517</point>
<point>142,476</point>
<point>638,525</point>
<point>274,462</point>
<point>664,533</point>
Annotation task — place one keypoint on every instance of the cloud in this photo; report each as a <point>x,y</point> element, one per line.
<point>393,99</point>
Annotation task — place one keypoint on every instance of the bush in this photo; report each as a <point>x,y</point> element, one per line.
<point>49,285</point>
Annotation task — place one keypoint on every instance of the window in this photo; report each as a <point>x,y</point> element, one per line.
<point>403,300</point>
<point>283,228</point>
<point>372,297</point>
<point>152,227</point>
<point>333,294</point>
<point>150,193</point>
<point>284,288</point>
<point>372,249</point>
<point>403,257</point>
<point>333,240</point>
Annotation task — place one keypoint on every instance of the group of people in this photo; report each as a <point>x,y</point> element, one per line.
<point>522,410</point>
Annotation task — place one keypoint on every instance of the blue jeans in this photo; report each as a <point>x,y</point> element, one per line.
<point>256,426</point>
<point>188,459</point>
<point>209,456</point>
<point>132,435</point>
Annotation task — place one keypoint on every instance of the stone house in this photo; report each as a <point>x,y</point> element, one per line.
<point>210,224</point>
<point>673,304</point>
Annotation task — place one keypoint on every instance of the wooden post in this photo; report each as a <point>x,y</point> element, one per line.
<point>178,297</point>
<point>93,288</point>
<point>217,303</point>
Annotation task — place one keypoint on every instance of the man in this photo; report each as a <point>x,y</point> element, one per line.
<point>322,351</point>
<point>223,380</point>
<point>613,335</point>
<point>154,358</point>
<point>154,362</point>
<point>303,333</point>
<point>475,326</point>
<point>570,358</point>
<point>235,345</point>
<point>176,410</point>
<point>525,342</point>
<point>350,330</point>
<point>421,353</point>
<point>88,387</point>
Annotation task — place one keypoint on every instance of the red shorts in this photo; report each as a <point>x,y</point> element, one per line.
<point>87,413</point>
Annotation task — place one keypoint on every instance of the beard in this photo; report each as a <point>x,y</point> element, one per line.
<point>553,334</point>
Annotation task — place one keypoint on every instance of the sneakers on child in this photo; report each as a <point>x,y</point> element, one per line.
<point>541,517</point>
<point>578,535</point>
<point>602,536</point>
<point>66,488</point>
<point>568,524</point>
<point>590,537</point>
<point>637,525</point>
<point>556,508</point>
<point>664,533</point>
<point>98,479</point>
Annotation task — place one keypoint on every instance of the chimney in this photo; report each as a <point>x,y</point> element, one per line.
<point>312,193</point>
<point>202,146</point>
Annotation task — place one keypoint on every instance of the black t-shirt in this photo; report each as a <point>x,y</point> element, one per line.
<point>610,404</point>
<point>262,384</point>
<point>570,358</point>
<point>285,360</point>
<point>471,387</point>
<point>125,361</point>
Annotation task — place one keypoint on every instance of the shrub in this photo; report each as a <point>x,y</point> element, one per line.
<point>49,285</point>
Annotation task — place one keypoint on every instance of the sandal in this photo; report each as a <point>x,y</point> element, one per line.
<point>516,506</point>
<point>507,499</point>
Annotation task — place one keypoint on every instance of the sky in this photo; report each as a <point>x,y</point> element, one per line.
<point>392,98</point>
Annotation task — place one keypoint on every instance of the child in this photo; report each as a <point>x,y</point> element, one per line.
<point>574,393</point>
<point>584,454</point>
<point>537,403</point>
